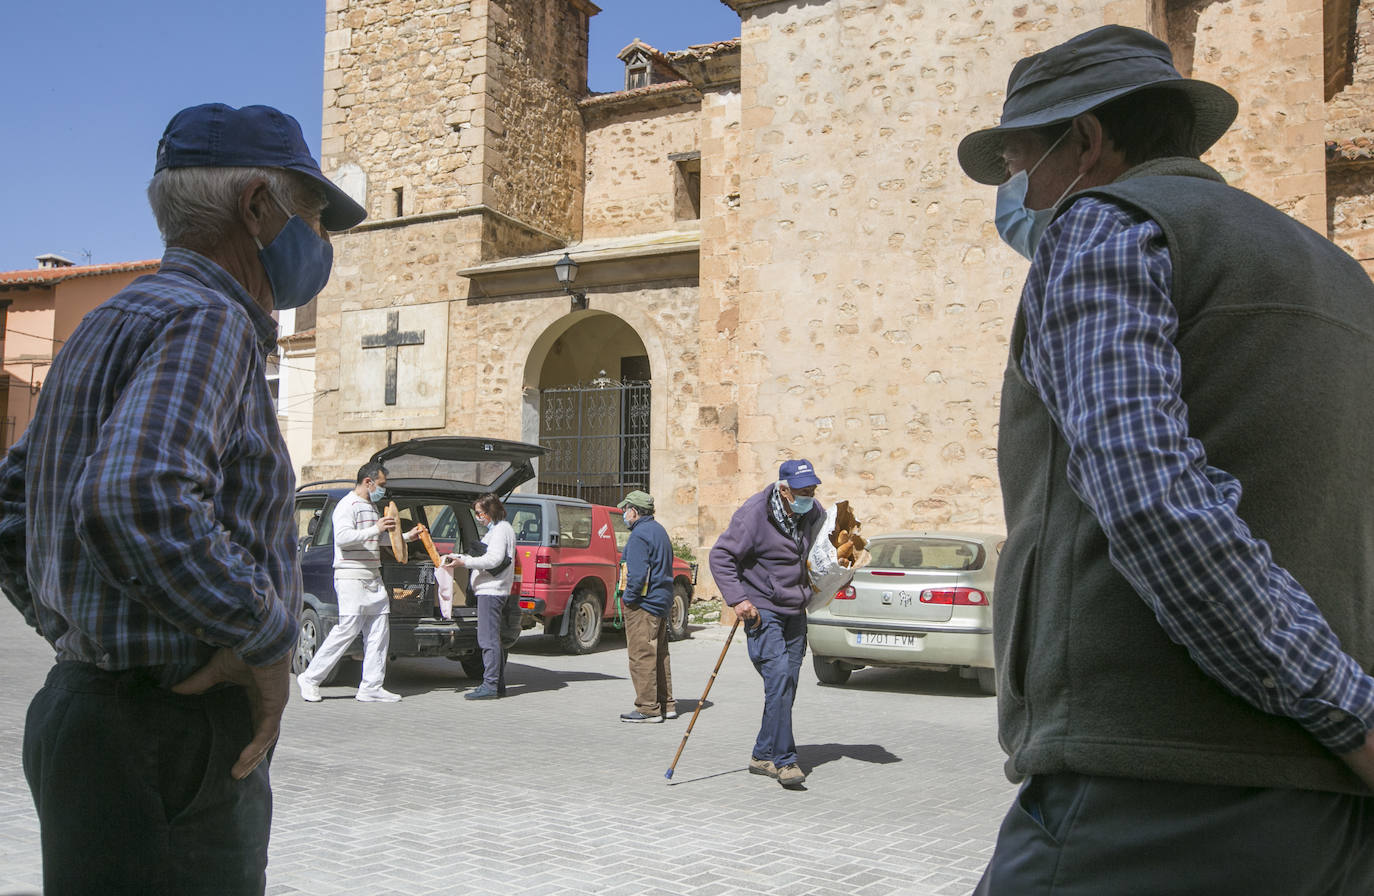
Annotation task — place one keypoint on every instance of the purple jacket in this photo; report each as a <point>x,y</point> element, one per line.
<point>754,560</point>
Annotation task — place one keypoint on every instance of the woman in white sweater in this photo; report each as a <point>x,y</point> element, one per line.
<point>493,573</point>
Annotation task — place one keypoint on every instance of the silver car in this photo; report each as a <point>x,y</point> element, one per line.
<point>923,601</point>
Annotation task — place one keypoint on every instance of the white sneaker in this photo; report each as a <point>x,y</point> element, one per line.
<point>379,695</point>
<point>310,693</point>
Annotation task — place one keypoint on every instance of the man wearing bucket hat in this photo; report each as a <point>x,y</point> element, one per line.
<point>146,526</point>
<point>646,599</point>
<point>1184,610</point>
<point>759,564</point>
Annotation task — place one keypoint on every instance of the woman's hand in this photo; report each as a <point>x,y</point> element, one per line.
<point>452,560</point>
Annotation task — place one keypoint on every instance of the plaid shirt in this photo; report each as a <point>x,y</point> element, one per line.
<point>146,514</point>
<point>1099,348</point>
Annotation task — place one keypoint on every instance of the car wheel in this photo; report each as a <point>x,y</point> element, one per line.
<point>309,641</point>
<point>472,666</point>
<point>584,623</point>
<point>987,680</point>
<point>829,671</point>
<point>677,613</point>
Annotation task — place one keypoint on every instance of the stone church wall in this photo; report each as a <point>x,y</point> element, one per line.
<point>537,71</point>
<point>630,179</point>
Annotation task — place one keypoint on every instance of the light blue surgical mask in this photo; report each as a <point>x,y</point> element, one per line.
<point>297,262</point>
<point>802,505</point>
<point>377,493</point>
<point>1021,227</point>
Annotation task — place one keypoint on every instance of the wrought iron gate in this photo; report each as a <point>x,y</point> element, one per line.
<point>597,436</point>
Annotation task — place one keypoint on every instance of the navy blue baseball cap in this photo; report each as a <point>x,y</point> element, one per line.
<point>214,135</point>
<point>798,473</point>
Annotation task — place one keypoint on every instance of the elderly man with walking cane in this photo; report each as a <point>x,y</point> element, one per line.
<point>759,564</point>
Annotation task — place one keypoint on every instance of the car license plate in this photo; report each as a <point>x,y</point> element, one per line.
<point>887,639</point>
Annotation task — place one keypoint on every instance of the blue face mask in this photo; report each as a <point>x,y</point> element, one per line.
<point>297,262</point>
<point>802,505</point>
<point>1021,227</point>
<point>377,494</point>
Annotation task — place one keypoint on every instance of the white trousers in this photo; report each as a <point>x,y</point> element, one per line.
<point>376,629</point>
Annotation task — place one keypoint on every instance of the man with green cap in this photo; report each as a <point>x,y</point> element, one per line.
<point>648,595</point>
<point>1185,616</point>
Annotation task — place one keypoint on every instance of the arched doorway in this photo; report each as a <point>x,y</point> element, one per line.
<point>593,391</point>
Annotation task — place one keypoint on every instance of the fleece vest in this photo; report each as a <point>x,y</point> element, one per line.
<point>1276,339</point>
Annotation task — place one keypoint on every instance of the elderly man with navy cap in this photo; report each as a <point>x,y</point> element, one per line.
<point>1185,617</point>
<point>147,533</point>
<point>759,564</point>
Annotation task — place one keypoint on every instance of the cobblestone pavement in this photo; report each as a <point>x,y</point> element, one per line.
<point>545,792</point>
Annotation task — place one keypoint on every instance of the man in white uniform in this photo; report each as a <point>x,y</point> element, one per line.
<point>364,604</point>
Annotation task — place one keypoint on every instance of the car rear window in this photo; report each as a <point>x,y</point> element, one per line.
<point>926,553</point>
<point>574,526</point>
<point>527,522</point>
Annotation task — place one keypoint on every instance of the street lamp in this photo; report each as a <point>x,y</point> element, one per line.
<point>565,269</point>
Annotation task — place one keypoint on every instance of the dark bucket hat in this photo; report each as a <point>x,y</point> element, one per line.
<point>214,135</point>
<point>1081,74</point>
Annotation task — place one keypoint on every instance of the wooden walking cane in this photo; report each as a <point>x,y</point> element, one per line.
<point>702,701</point>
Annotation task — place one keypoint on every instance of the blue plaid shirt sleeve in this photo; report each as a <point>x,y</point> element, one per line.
<point>1099,348</point>
<point>146,498</point>
<point>13,578</point>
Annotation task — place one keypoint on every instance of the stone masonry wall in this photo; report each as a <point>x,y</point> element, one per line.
<point>874,298</point>
<point>537,54</point>
<point>1268,55</point>
<point>1350,191</point>
<point>629,183</point>
<point>868,331</point>
<point>717,418</point>
<point>1350,114</point>
<point>1350,117</point>
<point>403,94</point>
<point>389,267</point>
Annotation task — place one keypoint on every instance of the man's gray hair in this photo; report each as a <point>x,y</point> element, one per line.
<point>196,207</point>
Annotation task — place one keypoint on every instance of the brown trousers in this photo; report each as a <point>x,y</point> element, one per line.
<point>646,642</point>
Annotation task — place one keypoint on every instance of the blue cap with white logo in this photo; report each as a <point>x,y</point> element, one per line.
<point>798,473</point>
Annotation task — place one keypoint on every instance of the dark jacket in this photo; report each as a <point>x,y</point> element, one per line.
<point>755,560</point>
<point>1276,340</point>
<point>648,566</point>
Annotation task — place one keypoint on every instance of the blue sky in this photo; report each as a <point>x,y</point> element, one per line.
<point>90,84</point>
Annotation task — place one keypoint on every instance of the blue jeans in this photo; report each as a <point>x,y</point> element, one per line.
<point>776,647</point>
<point>132,787</point>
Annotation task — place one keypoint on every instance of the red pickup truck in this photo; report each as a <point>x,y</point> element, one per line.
<point>568,564</point>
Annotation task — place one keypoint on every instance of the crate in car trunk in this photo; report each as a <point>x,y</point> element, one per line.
<point>413,591</point>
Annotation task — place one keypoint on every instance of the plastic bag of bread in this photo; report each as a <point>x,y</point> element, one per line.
<point>835,553</point>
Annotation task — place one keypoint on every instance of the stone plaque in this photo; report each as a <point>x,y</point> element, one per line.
<point>393,368</point>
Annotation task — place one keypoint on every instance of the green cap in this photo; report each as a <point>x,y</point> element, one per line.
<point>641,501</point>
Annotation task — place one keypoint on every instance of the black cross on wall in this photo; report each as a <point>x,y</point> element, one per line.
<point>391,340</point>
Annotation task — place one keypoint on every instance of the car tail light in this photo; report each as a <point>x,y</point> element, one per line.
<point>527,605</point>
<point>958,597</point>
<point>543,567</point>
<point>846,593</point>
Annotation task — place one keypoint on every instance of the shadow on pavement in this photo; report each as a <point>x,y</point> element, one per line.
<point>685,708</point>
<point>522,679</point>
<point>811,755</point>
<point>911,681</point>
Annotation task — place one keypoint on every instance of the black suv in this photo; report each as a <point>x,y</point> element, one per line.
<point>433,481</point>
